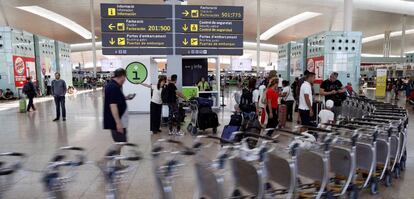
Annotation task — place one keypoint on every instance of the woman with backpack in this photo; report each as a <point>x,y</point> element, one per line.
<point>272,97</point>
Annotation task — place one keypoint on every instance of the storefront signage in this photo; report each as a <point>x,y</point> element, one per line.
<point>316,65</point>
<point>23,67</point>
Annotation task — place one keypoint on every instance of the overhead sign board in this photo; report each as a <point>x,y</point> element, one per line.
<point>137,40</point>
<point>135,11</point>
<point>136,25</point>
<point>210,40</point>
<point>143,29</point>
<point>209,12</point>
<point>209,26</point>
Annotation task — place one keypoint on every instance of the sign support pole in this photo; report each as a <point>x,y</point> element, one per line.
<point>258,37</point>
<point>174,61</point>
<point>93,37</point>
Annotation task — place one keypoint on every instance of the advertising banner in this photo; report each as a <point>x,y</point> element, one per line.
<point>316,64</point>
<point>295,67</point>
<point>194,70</point>
<point>381,83</point>
<point>23,67</point>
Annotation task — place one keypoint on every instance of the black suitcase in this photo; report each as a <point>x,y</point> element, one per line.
<point>236,120</point>
<point>207,120</point>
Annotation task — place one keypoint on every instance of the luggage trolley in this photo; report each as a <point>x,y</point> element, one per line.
<point>113,172</point>
<point>342,161</point>
<point>53,179</point>
<point>166,172</point>
<point>8,168</point>
<point>312,163</point>
<point>194,124</point>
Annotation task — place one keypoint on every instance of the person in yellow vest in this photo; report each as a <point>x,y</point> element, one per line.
<point>203,85</point>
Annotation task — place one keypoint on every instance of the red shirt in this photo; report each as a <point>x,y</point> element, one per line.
<point>273,96</point>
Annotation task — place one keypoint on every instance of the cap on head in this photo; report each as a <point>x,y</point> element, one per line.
<point>329,104</point>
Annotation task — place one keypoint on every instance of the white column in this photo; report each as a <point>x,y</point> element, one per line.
<point>175,62</point>
<point>387,43</point>
<point>348,15</point>
<point>258,35</point>
<point>403,28</point>
<point>92,13</point>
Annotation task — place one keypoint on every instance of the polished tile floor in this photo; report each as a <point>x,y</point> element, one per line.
<point>36,135</point>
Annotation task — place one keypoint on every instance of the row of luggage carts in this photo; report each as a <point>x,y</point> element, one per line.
<point>329,161</point>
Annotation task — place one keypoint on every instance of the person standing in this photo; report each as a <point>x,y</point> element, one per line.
<point>59,91</point>
<point>30,91</point>
<point>172,101</point>
<point>306,99</point>
<point>272,97</point>
<point>288,99</point>
<point>203,85</point>
<point>115,115</point>
<point>333,90</point>
<point>156,105</point>
<point>48,86</point>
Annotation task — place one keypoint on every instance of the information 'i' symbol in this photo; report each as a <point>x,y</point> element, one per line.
<point>136,73</point>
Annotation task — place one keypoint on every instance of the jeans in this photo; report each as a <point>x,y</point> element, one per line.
<point>60,103</point>
<point>174,117</point>
<point>305,117</point>
<point>272,122</point>
<point>289,107</point>
<point>30,105</point>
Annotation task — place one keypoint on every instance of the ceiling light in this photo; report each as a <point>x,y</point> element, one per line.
<point>288,23</point>
<point>58,19</point>
<point>382,36</point>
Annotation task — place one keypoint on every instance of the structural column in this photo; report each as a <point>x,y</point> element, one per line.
<point>258,36</point>
<point>404,26</point>
<point>387,43</point>
<point>348,15</point>
<point>92,13</point>
<point>174,61</point>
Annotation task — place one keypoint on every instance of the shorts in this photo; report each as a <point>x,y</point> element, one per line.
<point>119,137</point>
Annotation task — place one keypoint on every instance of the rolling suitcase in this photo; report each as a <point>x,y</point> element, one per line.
<point>282,115</point>
<point>22,105</point>
<point>228,131</point>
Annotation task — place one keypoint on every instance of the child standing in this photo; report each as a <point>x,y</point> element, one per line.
<point>326,116</point>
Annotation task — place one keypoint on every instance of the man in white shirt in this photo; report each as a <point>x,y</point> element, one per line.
<point>326,116</point>
<point>305,100</point>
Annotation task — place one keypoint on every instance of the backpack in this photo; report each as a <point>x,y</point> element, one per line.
<point>26,88</point>
<point>165,96</point>
<point>246,101</point>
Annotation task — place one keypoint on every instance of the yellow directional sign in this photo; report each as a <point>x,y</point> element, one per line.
<point>185,42</point>
<point>111,26</point>
<point>194,13</point>
<point>185,13</point>
<point>194,41</point>
<point>194,27</point>
<point>120,26</point>
<point>185,27</point>
<point>112,41</point>
<point>121,41</point>
<point>111,12</point>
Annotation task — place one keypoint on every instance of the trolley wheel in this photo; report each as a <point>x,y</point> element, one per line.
<point>374,187</point>
<point>402,164</point>
<point>194,130</point>
<point>190,127</point>
<point>215,130</point>
<point>353,192</point>
<point>236,194</point>
<point>397,171</point>
<point>388,179</point>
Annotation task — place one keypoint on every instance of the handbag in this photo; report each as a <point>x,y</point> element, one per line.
<point>165,112</point>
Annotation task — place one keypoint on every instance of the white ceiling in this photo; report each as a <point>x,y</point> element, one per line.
<point>272,12</point>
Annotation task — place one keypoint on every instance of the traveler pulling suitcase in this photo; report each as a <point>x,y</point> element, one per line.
<point>282,115</point>
<point>22,105</point>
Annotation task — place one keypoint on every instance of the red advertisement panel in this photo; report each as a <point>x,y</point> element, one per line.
<point>316,64</point>
<point>23,67</point>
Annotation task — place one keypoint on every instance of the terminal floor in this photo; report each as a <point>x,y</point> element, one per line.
<point>36,135</point>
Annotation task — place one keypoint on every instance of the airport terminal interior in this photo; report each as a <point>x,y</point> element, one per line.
<point>206,99</point>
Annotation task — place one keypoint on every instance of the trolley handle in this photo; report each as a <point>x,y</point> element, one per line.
<point>14,154</point>
<point>72,148</point>
<point>261,136</point>
<point>284,131</point>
